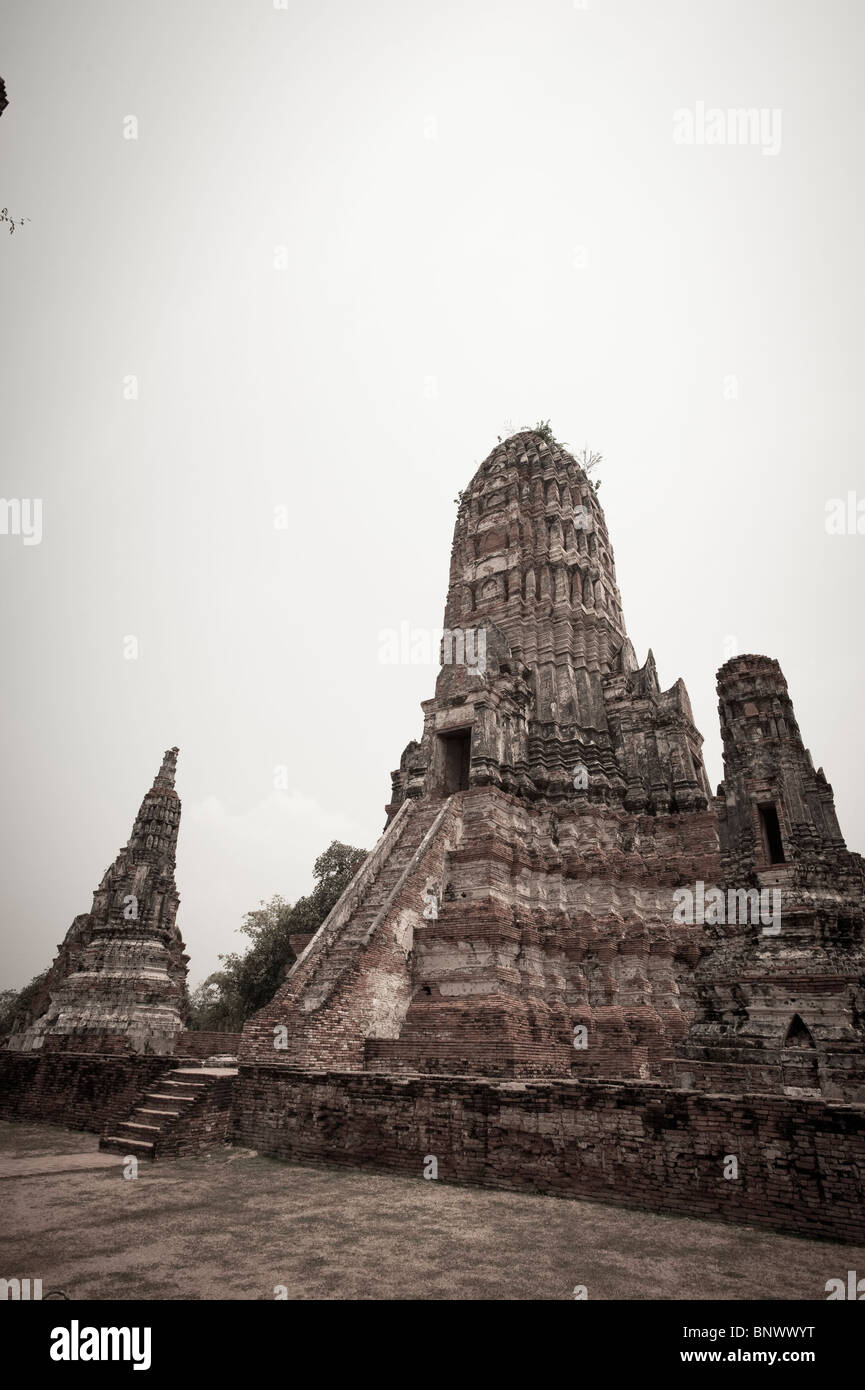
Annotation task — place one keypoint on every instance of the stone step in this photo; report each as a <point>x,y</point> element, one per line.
<point>157,1121</point>
<point>116,1143</point>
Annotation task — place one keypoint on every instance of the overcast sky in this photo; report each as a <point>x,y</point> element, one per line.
<point>350,245</point>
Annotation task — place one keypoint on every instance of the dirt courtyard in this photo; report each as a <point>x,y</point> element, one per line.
<point>234,1225</point>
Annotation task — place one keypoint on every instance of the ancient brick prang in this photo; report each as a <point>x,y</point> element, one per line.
<point>521,896</point>
<point>118,981</point>
<point>781,997</point>
<point>768,769</point>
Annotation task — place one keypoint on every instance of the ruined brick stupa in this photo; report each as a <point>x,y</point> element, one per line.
<point>521,898</point>
<point>117,983</point>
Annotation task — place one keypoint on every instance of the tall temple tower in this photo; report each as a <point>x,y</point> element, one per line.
<point>518,916</point>
<point>521,895</point>
<point>118,981</point>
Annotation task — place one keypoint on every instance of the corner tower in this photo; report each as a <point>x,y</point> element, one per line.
<point>780,1000</point>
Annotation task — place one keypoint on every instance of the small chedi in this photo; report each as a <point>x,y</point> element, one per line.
<point>518,917</point>
<point>118,981</point>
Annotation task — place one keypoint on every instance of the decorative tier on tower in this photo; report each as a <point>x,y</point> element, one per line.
<point>118,981</point>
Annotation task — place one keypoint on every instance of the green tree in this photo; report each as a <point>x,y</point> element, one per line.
<point>15,1006</point>
<point>248,980</point>
<point>215,1007</point>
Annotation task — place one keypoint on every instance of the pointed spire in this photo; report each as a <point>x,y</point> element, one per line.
<point>154,833</point>
<point>164,779</point>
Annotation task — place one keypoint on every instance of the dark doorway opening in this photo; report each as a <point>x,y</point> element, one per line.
<point>798,1034</point>
<point>800,1069</point>
<point>456,760</point>
<point>772,835</point>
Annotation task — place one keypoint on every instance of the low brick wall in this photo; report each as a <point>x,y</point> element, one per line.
<point>801,1163</point>
<point>203,1045</point>
<point>82,1090</point>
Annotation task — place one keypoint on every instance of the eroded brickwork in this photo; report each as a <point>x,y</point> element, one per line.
<point>507,984</point>
<point>204,1045</point>
<point>801,1163</point>
<point>780,1001</point>
<point>82,1090</point>
<point>117,983</point>
<point>185,1110</point>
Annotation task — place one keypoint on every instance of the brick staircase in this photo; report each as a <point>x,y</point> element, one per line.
<point>183,1112</point>
<point>325,969</point>
<point>371,928</point>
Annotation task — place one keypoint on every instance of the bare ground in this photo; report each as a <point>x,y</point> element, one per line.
<point>232,1224</point>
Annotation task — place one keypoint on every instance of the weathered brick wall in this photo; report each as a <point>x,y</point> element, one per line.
<point>203,1045</point>
<point>801,1162</point>
<point>839,1075</point>
<point>80,1090</point>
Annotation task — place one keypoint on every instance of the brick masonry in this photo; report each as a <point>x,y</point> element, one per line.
<point>186,1110</point>
<point>77,1089</point>
<point>204,1045</point>
<point>98,1092</point>
<point>801,1162</point>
